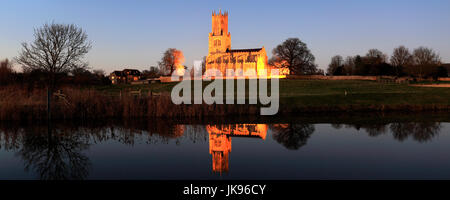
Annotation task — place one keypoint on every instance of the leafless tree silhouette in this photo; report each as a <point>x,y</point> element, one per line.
<point>401,57</point>
<point>376,56</point>
<point>425,62</point>
<point>295,55</point>
<point>57,48</point>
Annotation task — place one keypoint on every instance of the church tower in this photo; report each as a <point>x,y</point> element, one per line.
<point>219,38</point>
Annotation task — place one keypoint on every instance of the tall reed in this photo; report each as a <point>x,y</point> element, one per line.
<point>17,103</point>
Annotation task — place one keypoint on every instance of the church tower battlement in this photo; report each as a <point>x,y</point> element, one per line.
<point>219,38</point>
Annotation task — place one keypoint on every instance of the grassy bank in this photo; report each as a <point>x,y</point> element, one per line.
<point>296,96</point>
<point>314,96</point>
<point>339,95</point>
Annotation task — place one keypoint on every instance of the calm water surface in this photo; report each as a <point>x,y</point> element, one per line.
<point>332,148</point>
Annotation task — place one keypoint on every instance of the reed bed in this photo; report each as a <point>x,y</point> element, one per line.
<point>296,97</point>
<point>74,103</point>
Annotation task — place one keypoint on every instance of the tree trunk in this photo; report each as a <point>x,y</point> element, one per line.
<point>49,100</point>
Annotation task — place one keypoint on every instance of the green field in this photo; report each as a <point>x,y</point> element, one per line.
<point>341,94</point>
<point>359,93</point>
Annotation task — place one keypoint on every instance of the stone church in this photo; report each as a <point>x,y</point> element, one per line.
<point>244,62</point>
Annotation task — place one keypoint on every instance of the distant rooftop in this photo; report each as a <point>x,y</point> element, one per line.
<point>126,71</point>
<point>243,50</point>
<point>130,70</point>
<point>117,73</point>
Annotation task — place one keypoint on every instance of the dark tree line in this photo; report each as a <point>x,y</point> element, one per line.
<point>152,72</point>
<point>422,62</point>
<point>6,72</point>
<point>38,78</point>
<point>418,131</point>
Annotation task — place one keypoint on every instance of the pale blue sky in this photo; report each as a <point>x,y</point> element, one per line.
<point>135,33</point>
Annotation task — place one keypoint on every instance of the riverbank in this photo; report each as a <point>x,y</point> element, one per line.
<point>296,96</point>
<point>433,85</point>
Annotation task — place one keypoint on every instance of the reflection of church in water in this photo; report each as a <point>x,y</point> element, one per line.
<point>220,141</point>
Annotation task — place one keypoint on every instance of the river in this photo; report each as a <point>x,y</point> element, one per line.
<point>363,146</point>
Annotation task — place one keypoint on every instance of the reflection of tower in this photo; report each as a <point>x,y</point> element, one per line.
<point>220,141</point>
<point>219,147</point>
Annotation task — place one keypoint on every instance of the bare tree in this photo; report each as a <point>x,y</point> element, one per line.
<point>426,56</point>
<point>401,57</point>
<point>349,65</point>
<point>425,62</point>
<point>57,48</point>
<point>376,56</point>
<point>336,63</point>
<point>171,58</point>
<point>295,55</point>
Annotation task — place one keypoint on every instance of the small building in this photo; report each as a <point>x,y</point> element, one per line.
<point>116,77</point>
<point>125,76</point>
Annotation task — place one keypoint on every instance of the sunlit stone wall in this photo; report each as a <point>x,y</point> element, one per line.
<point>221,57</point>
